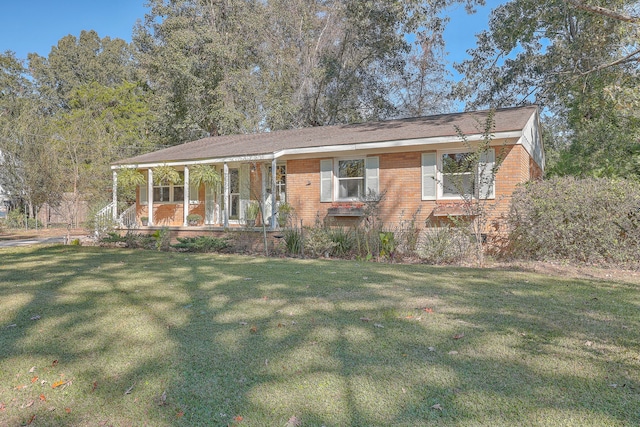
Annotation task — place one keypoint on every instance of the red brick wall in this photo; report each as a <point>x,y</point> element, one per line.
<point>400,177</point>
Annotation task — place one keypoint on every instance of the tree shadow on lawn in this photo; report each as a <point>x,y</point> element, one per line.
<point>224,340</point>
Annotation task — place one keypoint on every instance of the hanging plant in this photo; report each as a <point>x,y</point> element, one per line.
<point>128,180</point>
<point>203,174</point>
<point>166,175</point>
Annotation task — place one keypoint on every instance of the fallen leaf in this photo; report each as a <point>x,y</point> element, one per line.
<point>20,387</point>
<point>437,407</point>
<point>33,417</point>
<point>254,329</point>
<point>180,414</point>
<point>293,422</point>
<point>28,404</point>
<point>378,325</point>
<point>94,386</point>
<point>458,336</point>
<point>129,389</point>
<point>54,363</point>
<point>43,398</point>
<point>588,343</point>
<point>365,319</point>
<point>163,398</point>
<point>58,384</point>
<point>2,407</point>
<point>280,325</point>
<point>431,348</point>
<point>36,317</point>
<point>238,418</point>
<point>428,309</point>
<point>34,379</point>
<point>67,410</point>
<point>243,323</point>
<point>453,352</point>
<point>32,370</point>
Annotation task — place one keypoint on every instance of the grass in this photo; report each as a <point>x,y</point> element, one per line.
<point>138,338</point>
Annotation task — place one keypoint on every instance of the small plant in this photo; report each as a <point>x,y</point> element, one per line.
<point>285,210</point>
<point>252,211</point>
<point>165,174</point>
<point>194,219</point>
<point>343,239</point>
<point>387,244</point>
<point>144,220</point>
<point>161,239</point>
<point>293,241</point>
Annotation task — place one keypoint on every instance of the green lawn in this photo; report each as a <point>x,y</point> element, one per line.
<point>163,339</point>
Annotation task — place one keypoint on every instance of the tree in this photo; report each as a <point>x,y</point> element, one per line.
<point>248,65</point>
<point>575,58</point>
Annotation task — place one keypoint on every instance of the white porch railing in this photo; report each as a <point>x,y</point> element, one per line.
<point>127,218</point>
<point>103,220</point>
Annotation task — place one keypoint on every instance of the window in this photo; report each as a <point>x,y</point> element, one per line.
<point>169,193</point>
<point>352,179</point>
<point>350,176</point>
<point>458,174</point>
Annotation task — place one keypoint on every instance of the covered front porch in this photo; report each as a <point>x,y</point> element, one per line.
<point>246,193</point>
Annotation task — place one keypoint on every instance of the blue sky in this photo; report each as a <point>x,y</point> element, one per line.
<point>36,25</point>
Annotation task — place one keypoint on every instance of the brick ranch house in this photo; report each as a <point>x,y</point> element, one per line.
<point>325,172</point>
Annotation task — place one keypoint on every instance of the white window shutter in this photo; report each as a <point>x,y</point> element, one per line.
<point>144,197</point>
<point>429,176</point>
<point>372,177</point>
<point>486,177</point>
<point>326,180</point>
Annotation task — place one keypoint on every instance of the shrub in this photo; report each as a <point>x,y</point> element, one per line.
<point>201,244</point>
<point>444,244</point>
<point>343,241</point>
<point>293,241</point>
<point>586,220</point>
<point>317,241</point>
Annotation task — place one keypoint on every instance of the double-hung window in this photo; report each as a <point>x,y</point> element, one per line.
<point>350,179</point>
<point>458,174</point>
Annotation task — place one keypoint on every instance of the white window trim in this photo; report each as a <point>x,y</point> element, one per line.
<point>440,176</point>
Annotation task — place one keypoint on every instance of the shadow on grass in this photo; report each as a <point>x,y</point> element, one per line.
<point>223,340</point>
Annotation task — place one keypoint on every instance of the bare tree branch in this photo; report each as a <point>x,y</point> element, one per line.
<point>604,11</point>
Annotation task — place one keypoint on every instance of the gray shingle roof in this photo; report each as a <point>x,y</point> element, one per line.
<point>442,125</point>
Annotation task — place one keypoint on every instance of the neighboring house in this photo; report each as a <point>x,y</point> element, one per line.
<point>325,172</point>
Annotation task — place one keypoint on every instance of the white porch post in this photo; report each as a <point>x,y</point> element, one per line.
<point>263,192</point>
<point>274,190</point>
<point>150,195</point>
<point>227,189</point>
<point>186,195</point>
<point>115,195</point>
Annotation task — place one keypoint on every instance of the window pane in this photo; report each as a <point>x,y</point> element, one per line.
<point>178,194</point>
<point>351,168</point>
<point>457,163</point>
<point>234,180</point>
<point>160,194</point>
<point>351,189</point>
<point>454,185</point>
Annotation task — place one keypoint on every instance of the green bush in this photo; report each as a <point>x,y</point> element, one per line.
<point>343,241</point>
<point>201,244</point>
<point>444,244</point>
<point>317,241</point>
<point>586,220</point>
<point>293,241</point>
<point>16,219</point>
